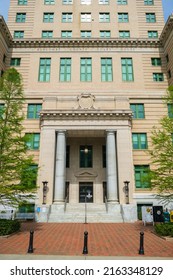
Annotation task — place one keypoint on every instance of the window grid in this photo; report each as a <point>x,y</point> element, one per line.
<point>49,2</point>
<point>106,70</point>
<point>15,61</point>
<point>66,34</point>
<point>153,34</point>
<point>170,111</point>
<point>22,2</point>
<point>140,173</point>
<point>85,17</point>
<point>127,69</point>
<point>124,34</point>
<point>104,17</point>
<point>123,17</point>
<point>65,69</point>
<point>85,33</point>
<point>158,77</point>
<point>20,17</point>
<point>33,111</point>
<point>150,17</point>
<point>86,69</point>
<point>85,2</point>
<point>47,34</point>
<point>156,61</point>
<point>105,34</point>
<point>86,155</point>
<point>48,17</point>
<point>104,2</point>
<point>122,2</point>
<point>67,17</point>
<point>149,2</point>
<point>138,111</point>
<point>33,141</point>
<point>44,70</point>
<point>139,141</point>
<point>18,34</point>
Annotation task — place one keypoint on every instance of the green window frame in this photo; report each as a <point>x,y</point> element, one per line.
<point>15,61</point>
<point>123,17</point>
<point>104,2</point>
<point>49,2</point>
<point>170,110</point>
<point>66,34</point>
<point>20,17</point>
<point>33,141</point>
<point>127,69</point>
<point>67,2</point>
<point>86,156</point>
<point>86,69</point>
<point>65,69</point>
<point>141,171</point>
<point>149,2</point>
<point>104,17</point>
<point>33,111</point>
<point>18,34</point>
<point>22,2</point>
<point>67,17</point>
<point>150,17</point>
<point>152,34</point>
<point>106,70</point>
<point>156,61</point>
<point>105,34</point>
<point>121,2</point>
<point>138,111</point>
<point>47,34</point>
<point>158,77</point>
<point>124,34</point>
<point>85,33</point>
<point>44,70</point>
<point>139,141</point>
<point>48,17</point>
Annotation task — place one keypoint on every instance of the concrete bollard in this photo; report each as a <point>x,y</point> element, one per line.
<point>141,246</point>
<point>85,248</point>
<point>30,248</point>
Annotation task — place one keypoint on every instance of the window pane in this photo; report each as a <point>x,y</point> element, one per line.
<point>85,156</point>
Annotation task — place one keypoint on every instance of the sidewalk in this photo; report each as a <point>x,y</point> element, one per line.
<point>64,241</point>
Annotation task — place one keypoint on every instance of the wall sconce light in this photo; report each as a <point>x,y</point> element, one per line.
<point>44,191</point>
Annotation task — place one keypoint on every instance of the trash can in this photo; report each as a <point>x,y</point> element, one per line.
<point>166,216</point>
<point>158,214</point>
<point>171,216</point>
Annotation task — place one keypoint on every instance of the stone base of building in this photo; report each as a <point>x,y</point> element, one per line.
<point>86,213</point>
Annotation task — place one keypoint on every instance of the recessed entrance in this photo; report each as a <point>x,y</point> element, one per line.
<point>85,192</point>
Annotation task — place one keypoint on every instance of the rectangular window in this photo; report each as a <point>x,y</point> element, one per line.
<point>150,17</point>
<point>86,156</point>
<point>138,111</point>
<point>85,2</point>
<point>67,2</point>
<point>156,61</point>
<point>123,17</point>
<point>105,34</point>
<point>20,17</point>
<point>67,17</point>
<point>15,61</point>
<point>104,156</point>
<point>47,34</point>
<point>49,2</point>
<point>48,17</point>
<point>85,17</point>
<point>67,156</point>
<point>158,77</point>
<point>122,2</point>
<point>104,2</point>
<point>104,17</point>
<point>86,69</point>
<point>65,69</point>
<point>139,141</point>
<point>22,2</point>
<point>127,69</point>
<point>149,2</point>
<point>124,34</point>
<point>106,70</point>
<point>152,34</point>
<point>33,111</point>
<point>18,34</point>
<point>85,33</point>
<point>66,34</point>
<point>44,70</point>
<point>1,110</point>
<point>170,111</point>
<point>33,141</point>
<point>141,171</point>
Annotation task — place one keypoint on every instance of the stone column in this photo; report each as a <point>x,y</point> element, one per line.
<point>111,167</point>
<point>60,169</point>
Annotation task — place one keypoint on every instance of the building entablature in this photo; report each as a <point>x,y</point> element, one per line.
<point>5,32</point>
<point>166,31</point>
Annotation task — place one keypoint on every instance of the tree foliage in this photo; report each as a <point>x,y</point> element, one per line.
<point>17,179</point>
<point>161,176</point>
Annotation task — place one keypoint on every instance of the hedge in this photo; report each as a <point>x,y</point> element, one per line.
<point>8,226</point>
<point>164,229</point>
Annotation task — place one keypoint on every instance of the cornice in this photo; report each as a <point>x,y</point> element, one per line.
<point>5,32</point>
<point>90,43</point>
<point>168,28</point>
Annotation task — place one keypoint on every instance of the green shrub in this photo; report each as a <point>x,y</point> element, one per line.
<point>164,229</point>
<point>9,226</point>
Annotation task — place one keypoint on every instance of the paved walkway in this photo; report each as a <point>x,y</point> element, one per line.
<point>103,240</point>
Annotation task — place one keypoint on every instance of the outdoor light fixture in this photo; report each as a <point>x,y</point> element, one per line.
<point>126,190</point>
<point>44,191</point>
<point>86,150</point>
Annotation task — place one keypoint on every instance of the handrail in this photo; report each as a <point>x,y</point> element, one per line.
<point>106,204</point>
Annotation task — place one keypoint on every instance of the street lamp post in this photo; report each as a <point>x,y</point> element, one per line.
<point>126,190</point>
<point>44,191</point>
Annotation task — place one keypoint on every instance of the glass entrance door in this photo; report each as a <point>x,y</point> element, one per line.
<point>85,192</point>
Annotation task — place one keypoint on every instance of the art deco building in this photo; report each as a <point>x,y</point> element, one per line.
<point>94,74</point>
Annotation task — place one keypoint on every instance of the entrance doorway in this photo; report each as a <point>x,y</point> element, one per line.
<point>85,192</point>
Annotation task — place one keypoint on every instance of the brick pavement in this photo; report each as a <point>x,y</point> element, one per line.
<point>119,239</point>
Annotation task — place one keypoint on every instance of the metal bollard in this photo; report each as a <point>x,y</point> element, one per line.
<point>141,248</point>
<point>30,248</point>
<point>85,248</point>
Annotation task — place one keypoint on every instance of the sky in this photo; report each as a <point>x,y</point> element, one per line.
<point>167,8</point>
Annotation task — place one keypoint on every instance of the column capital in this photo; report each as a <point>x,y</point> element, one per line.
<point>110,131</point>
<point>61,131</point>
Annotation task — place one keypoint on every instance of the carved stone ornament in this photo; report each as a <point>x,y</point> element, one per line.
<point>86,101</point>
